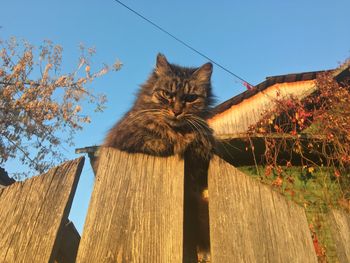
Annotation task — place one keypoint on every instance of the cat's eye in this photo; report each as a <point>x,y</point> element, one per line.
<point>166,94</point>
<point>190,97</point>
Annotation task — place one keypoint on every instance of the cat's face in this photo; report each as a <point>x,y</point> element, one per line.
<point>178,92</point>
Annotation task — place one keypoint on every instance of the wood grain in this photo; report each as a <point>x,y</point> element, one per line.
<point>32,214</point>
<point>340,228</point>
<point>136,210</point>
<point>251,223</point>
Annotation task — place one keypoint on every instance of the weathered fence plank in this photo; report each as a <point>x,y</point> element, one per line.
<point>136,210</point>
<point>32,214</point>
<point>339,222</point>
<point>251,223</point>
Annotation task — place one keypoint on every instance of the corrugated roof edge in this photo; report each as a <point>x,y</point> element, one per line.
<point>271,80</point>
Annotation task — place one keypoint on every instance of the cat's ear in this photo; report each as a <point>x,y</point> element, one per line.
<point>203,74</point>
<point>162,66</point>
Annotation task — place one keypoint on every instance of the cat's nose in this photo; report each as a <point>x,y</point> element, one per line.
<point>177,112</point>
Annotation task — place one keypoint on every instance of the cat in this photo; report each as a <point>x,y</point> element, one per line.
<point>168,118</point>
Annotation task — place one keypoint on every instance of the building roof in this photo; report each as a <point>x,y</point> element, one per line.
<point>340,73</point>
<point>268,82</point>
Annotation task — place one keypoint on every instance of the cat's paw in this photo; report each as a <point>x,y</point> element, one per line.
<point>203,257</point>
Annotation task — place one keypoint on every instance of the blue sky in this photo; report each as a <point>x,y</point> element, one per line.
<point>253,39</point>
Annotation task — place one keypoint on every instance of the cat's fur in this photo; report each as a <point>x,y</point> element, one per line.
<point>168,115</point>
<point>167,118</point>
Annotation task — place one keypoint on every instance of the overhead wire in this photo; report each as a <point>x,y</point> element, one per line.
<point>244,82</point>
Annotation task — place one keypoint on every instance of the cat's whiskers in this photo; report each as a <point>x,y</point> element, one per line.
<point>137,117</point>
<point>197,128</point>
<point>199,121</point>
<point>191,125</point>
<point>202,132</point>
<point>202,125</point>
<point>147,111</point>
<point>140,115</point>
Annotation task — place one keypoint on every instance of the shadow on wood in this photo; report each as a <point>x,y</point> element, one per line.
<point>68,247</point>
<point>32,214</point>
<point>251,223</point>
<point>136,210</point>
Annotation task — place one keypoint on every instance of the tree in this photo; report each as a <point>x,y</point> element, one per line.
<point>39,104</point>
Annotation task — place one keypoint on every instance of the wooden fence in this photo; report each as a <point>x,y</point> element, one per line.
<point>136,210</point>
<point>251,223</point>
<point>340,228</point>
<point>34,214</point>
<point>136,214</point>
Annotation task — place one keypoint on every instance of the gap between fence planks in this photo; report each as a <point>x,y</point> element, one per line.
<point>68,247</point>
<point>136,210</point>
<point>32,214</point>
<point>251,223</point>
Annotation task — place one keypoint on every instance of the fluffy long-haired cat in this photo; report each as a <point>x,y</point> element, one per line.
<point>168,118</point>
